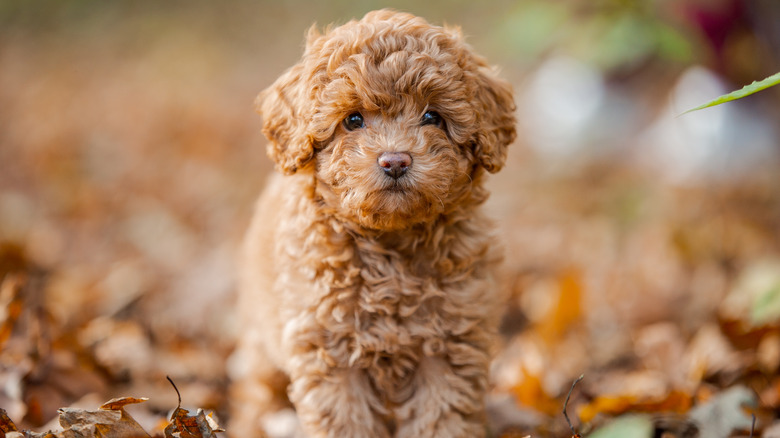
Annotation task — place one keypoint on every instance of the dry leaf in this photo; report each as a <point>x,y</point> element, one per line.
<point>111,420</point>
<point>6,425</point>
<point>725,413</point>
<point>772,431</point>
<point>567,310</point>
<point>132,241</point>
<point>675,401</point>
<point>529,391</point>
<point>187,426</point>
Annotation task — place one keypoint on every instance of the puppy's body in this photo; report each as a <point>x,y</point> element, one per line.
<point>367,271</point>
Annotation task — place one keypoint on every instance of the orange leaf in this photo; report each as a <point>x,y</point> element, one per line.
<point>567,311</point>
<point>529,392</point>
<point>675,401</point>
<point>6,425</point>
<point>187,426</point>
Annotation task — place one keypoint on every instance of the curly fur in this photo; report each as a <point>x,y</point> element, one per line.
<point>372,294</point>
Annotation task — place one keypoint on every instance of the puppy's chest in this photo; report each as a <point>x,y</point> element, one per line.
<point>395,317</point>
<point>396,303</point>
<point>390,307</point>
<point>367,307</point>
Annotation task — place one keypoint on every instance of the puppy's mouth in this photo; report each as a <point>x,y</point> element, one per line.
<point>394,205</point>
<point>394,187</point>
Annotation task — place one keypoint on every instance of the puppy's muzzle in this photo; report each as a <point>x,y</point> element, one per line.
<point>395,164</point>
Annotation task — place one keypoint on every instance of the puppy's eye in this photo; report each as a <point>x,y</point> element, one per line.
<point>353,121</point>
<point>432,118</point>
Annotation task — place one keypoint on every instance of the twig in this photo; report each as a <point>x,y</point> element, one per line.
<point>752,425</point>
<point>178,394</point>
<point>566,404</point>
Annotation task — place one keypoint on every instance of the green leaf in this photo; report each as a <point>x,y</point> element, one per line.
<point>630,426</point>
<point>766,308</point>
<point>747,90</point>
<point>755,297</point>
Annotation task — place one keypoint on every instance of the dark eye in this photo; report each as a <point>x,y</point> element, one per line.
<point>353,121</point>
<point>432,118</point>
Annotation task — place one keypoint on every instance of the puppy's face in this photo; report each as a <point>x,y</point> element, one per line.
<point>389,171</point>
<point>396,119</point>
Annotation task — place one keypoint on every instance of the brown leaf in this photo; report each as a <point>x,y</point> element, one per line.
<point>110,421</point>
<point>674,401</point>
<point>119,403</point>
<point>10,298</point>
<point>186,426</point>
<point>6,425</point>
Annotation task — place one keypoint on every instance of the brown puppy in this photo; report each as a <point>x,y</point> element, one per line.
<point>367,271</point>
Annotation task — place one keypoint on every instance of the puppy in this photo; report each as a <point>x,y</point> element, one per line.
<point>367,269</point>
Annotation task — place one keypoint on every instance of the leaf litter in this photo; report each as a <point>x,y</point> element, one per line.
<point>118,230</point>
<point>111,420</point>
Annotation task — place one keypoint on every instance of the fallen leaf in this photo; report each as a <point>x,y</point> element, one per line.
<point>755,298</point>
<point>630,426</point>
<point>10,304</point>
<point>768,353</point>
<point>504,416</point>
<point>674,401</point>
<point>567,311</point>
<point>187,426</point>
<point>514,434</point>
<point>529,391</point>
<point>772,431</point>
<point>708,353</point>
<point>6,425</point>
<point>110,420</point>
<point>725,413</point>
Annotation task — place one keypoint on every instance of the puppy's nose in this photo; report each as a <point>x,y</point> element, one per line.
<point>395,164</point>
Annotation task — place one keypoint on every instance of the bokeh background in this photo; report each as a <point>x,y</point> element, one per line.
<point>643,246</point>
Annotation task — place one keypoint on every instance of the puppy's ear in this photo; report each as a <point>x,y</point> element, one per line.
<point>497,125</point>
<point>286,111</point>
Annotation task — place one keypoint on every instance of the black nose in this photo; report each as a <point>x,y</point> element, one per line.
<point>395,164</point>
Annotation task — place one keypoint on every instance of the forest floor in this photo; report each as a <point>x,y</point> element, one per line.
<point>128,169</point>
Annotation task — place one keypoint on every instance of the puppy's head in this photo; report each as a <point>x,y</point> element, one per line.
<point>396,119</point>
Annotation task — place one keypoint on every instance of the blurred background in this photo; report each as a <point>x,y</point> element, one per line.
<point>643,246</point>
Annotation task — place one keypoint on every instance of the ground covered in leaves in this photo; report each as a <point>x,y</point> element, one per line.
<point>643,249</point>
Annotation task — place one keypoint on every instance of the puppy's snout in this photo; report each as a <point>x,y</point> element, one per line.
<point>395,164</point>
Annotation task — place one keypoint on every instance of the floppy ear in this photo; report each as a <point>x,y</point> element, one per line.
<point>286,112</point>
<point>496,108</point>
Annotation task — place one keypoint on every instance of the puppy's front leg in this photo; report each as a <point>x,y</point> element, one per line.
<point>448,399</point>
<point>335,402</point>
